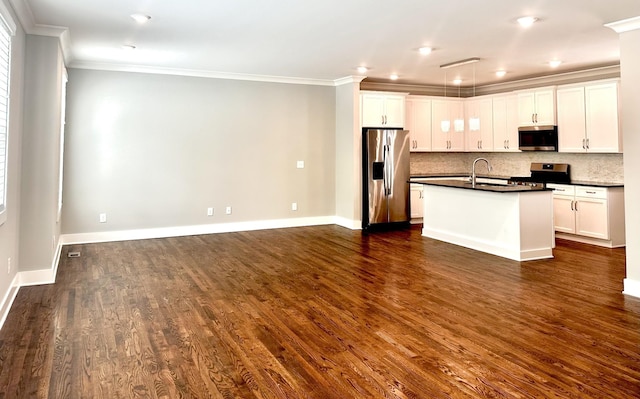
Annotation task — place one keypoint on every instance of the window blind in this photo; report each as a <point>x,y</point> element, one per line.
<point>5,65</point>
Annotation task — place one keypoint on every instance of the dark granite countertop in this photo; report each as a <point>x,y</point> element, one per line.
<point>496,188</point>
<point>572,182</point>
<point>594,184</point>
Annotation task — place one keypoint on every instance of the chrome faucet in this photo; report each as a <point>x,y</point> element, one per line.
<point>473,170</point>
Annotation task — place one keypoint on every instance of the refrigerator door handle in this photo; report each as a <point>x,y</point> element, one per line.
<point>387,185</point>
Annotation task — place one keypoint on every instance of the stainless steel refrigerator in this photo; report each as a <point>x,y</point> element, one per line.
<point>385,172</point>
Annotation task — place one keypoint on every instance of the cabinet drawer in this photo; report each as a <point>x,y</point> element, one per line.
<point>591,192</point>
<point>562,189</point>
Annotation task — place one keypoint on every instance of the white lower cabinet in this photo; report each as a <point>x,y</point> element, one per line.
<point>416,202</point>
<point>589,214</point>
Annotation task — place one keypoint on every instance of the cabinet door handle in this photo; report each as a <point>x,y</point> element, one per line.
<point>572,207</point>
<point>587,144</point>
<point>575,206</point>
<point>508,144</point>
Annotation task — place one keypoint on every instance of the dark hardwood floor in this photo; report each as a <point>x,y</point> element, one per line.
<point>323,312</point>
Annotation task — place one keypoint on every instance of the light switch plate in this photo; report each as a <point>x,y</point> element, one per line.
<point>300,164</point>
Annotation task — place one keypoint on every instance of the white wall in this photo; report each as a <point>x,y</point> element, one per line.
<point>39,227</point>
<point>630,82</point>
<point>9,231</point>
<point>348,155</point>
<point>155,151</point>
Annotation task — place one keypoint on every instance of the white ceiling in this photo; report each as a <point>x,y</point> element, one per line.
<point>326,40</point>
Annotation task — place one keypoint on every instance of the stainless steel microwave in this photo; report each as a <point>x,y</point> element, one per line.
<point>538,138</point>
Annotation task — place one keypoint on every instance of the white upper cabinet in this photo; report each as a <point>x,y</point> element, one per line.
<point>588,118</point>
<point>537,107</point>
<point>447,125</point>
<point>571,119</point>
<point>505,123</point>
<point>479,124</point>
<point>381,109</point>
<point>603,128</point>
<point>418,122</point>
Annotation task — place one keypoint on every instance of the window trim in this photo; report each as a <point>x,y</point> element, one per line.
<point>8,25</point>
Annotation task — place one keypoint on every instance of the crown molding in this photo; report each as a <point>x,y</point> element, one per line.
<point>625,25</point>
<point>199,73</point>
<point>28,23</point>
<point>563,78</point>
<point>348,80</point>
<point>577,76</point>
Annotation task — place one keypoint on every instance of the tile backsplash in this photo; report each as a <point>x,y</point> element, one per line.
<point>585,167</point>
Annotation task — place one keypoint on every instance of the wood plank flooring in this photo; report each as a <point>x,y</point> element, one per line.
<point>323,312</point>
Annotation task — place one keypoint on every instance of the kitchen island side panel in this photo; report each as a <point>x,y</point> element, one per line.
<point>515,225</point>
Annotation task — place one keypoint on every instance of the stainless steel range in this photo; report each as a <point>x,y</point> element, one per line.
<point>543,173</point>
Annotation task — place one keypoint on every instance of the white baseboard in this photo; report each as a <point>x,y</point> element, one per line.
<point>631,287</point>
<point>30,277</point>
<point>589,240</point>
<point>42,276</point>
<point>348,223</point>
<point>163,232</point>
<point>474,243</point>
<point>8,299</point>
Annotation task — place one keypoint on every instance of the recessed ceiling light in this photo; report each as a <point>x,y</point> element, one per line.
<point>526,22</point>
<point>128,47</point>
<point>425,50</point>
<point>555,63</point>
<point>501,73</point>
<point>362,69</point>
<point>393,76</point>
<point>457,81</point>
<point>140,18</point>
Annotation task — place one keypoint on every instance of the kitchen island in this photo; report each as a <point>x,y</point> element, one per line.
<point>514,222</point>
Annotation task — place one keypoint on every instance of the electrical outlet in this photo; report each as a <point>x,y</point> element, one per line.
<point>103,218</point>
<point>228,210</point>
<point>209,211</point>
<point>294,206</point>
<point>8,265</point>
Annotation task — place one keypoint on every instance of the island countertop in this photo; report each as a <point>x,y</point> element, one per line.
<point>497,188</point>
<point>418,178</point>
